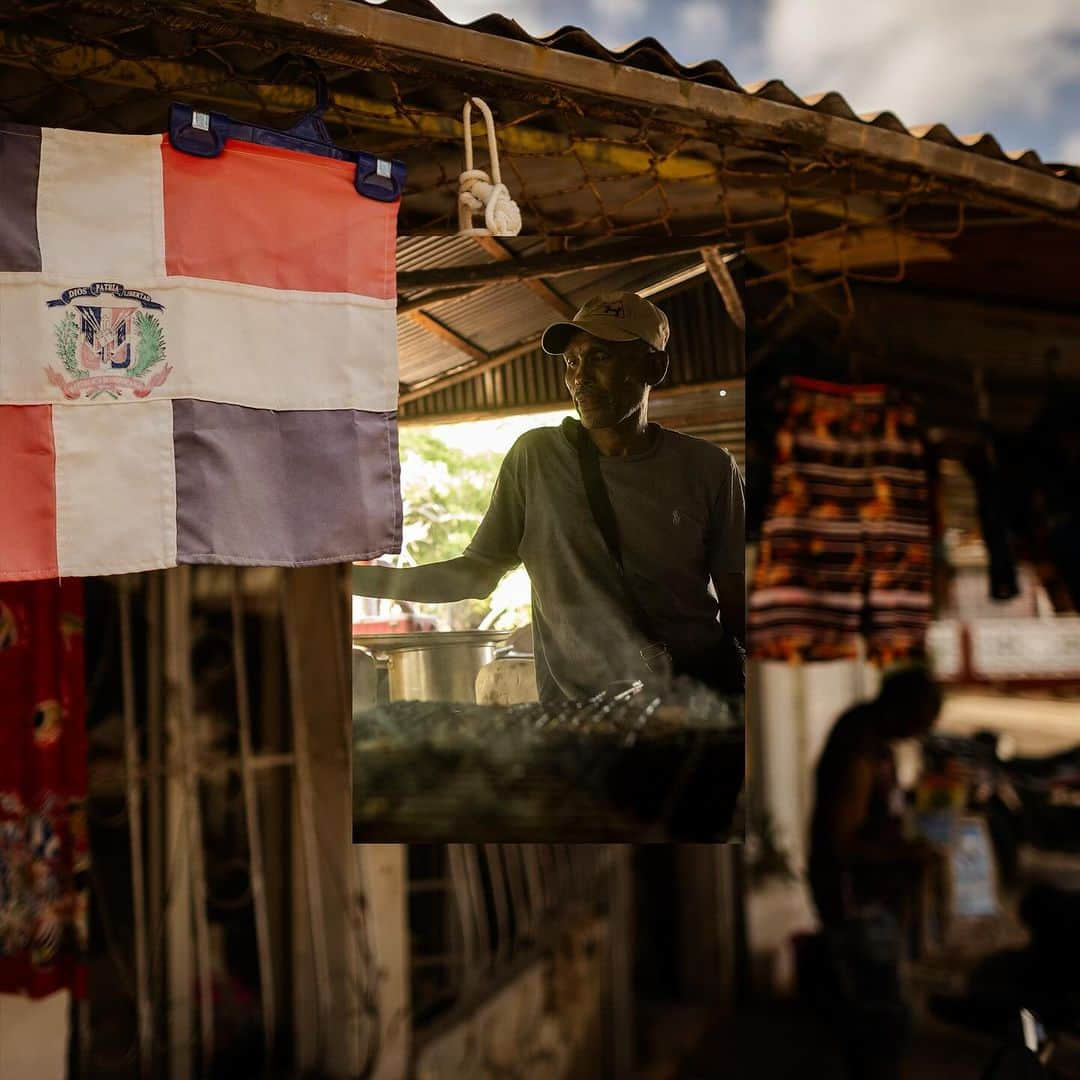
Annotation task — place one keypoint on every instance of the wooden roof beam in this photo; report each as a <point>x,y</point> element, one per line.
<point>470,371</point>
<point>452,337</point>
<point>501,253</point>
<point>596,257</point>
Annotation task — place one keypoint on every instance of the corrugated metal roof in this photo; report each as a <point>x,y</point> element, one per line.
<point>421,355</point>
<point>706,348</point>
<point>498,316</point>
<point>504,314</point>
<point>717,414</point>
<point>648,54</point>
<point>428,252</point>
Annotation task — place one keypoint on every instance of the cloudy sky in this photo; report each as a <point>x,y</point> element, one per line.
<point>1011,67</point>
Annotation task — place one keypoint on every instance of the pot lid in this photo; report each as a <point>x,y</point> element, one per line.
<point>427,639</point>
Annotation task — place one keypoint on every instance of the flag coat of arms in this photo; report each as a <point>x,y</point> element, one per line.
<point>198,357</point>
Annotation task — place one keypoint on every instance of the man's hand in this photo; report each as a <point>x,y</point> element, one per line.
<point>464,578</point>
<point>731,597</point>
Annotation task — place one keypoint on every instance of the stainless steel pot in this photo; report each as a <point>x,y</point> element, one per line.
<point>426,666</point>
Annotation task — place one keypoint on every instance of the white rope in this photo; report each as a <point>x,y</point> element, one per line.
<point>479,193</point>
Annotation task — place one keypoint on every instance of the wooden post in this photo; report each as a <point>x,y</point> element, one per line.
<point>135,834</point>
<point>297,650</point>
<point>621,963</point>
<point>251,819</point>
<point>383,878</point>
<point>180,970</point>
<point>191,781</point>
<point>157,789</point>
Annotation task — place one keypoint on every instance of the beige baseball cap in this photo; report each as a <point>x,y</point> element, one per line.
<point>614,316</point>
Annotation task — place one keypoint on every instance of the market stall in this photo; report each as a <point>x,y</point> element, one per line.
<point>906,250</point>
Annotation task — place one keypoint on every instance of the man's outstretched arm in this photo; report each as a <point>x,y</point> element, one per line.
<point>464,578</point>
<point>470,576</point>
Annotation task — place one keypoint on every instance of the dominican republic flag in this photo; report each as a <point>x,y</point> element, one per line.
<point>198,357</point>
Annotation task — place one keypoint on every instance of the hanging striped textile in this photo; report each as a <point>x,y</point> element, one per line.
<point>198,357</point>
<point>846,544</point>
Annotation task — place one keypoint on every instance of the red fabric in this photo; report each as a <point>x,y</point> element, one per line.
<point>803,382</point>
<point>28,524</point>
<point>235,218</point>
<point>44,856</point>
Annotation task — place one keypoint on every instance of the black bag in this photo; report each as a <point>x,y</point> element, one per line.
<point>722,667</point>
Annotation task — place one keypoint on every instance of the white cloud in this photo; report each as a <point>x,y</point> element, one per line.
<point>606,20</point>
<point>696,30</point>
<point>927,60</point>
<point>1070,149</point>
<point>613,14</point>
<point>528,13</point>
<point>614,25</point>
<point>708,21</point>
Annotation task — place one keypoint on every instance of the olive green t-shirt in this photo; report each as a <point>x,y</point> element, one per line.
<point>679,508</point>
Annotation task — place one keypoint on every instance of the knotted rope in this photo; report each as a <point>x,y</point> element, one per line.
<point>478,193</point>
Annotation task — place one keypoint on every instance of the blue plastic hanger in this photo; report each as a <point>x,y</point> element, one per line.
<point>204,134</point>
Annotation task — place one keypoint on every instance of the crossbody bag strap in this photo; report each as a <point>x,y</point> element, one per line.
<point>603,514</point>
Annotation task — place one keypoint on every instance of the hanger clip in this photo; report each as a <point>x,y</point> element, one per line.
<point>379,178</point>
<point>200,133</point>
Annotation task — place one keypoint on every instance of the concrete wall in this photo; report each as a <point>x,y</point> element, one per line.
<point>546,1024</point>
<point>791,709</point>
<point>34,1036</point>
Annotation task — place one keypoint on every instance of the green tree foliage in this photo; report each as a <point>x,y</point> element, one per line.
<point>445,492</point>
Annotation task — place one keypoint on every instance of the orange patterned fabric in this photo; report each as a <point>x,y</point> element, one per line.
<point>846,544</point>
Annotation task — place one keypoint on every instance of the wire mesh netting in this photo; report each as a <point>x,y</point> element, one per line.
<point>814,220</point>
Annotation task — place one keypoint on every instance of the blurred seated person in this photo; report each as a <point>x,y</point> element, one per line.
<point>864,872</point>
<point>859,855</point>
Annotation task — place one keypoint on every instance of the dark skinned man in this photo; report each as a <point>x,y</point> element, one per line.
<point>678,505</point>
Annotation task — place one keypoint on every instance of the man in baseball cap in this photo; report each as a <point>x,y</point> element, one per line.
<point>677,504</point>
<point>614,350</point>
<point>619,316</point>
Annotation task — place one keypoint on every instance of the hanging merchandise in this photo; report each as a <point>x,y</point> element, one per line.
<point>479,193</point>
<point>198,357</point>
<point>846,543</point>
<point>1028,489</point>
<point>44,859</point>
<point>981,462</point>
<point>1050,452</point>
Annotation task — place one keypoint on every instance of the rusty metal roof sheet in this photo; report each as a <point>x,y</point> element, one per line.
<point>593,141</point>
<point>648,54</point>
